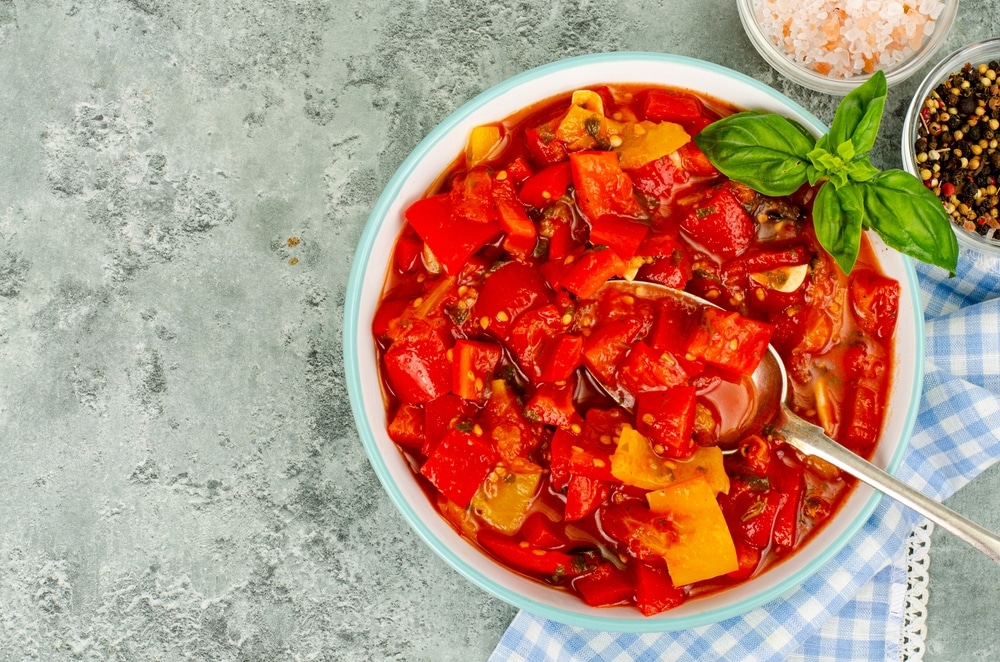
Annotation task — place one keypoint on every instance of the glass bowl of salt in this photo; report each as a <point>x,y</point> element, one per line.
<point>833,46</point>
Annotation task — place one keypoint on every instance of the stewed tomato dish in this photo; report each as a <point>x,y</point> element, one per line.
<point>588,435</point>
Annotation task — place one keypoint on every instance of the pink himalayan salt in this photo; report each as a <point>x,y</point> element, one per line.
<point>847,37</point>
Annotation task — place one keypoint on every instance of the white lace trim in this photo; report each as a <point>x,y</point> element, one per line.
<point>917,573</point>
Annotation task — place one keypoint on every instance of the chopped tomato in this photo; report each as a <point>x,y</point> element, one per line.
<point>730,341</point>
<point>695,162</point>
<point>751,508</point>
<point>512,434</point>
<point>473,367</point>
<point>573,455</point>
<point>646,369</point>
<point>530,335</point>
<point>874,302</point>
<point>863,418</point>
<point>604,349</point>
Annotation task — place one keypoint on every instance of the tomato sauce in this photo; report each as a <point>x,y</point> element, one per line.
<point>584,436</point>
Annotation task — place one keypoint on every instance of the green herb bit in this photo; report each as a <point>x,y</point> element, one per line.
<point>776,156</point>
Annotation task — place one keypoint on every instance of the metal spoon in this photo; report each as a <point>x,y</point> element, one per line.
<point>770,384</point>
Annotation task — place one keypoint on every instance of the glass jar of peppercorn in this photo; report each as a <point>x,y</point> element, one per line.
<point>951,141</point>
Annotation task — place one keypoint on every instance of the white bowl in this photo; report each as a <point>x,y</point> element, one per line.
<point>413,178</point>
<point>807,76</point>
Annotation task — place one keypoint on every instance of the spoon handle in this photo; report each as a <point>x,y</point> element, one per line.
<point>811,440</point>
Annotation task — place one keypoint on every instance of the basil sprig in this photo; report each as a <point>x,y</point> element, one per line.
<point>776,156</point>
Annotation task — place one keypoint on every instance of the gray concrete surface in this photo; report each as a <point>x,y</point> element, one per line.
<point>181,187</point>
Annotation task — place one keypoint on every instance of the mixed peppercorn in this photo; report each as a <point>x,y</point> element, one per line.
<point>958,147</point>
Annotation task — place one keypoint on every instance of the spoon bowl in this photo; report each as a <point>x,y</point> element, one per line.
<point>767,405</point>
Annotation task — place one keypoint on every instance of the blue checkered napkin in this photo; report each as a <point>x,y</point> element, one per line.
<point>852,608</point>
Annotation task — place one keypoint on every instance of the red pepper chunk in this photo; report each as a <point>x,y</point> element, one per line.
<point>583,496</point>
<point>451,238</point>
<point>654,590</point>
<point>552,404</point>
<point>660,180</point>
<point>531,560</point>
<point>620,234</point>
<point>729,341</point>
<point>543,146</point>
<point>458,465</point>
<point>721,225</point>
<point>790,482</point>
<point>540,531</point>
<point>646,369</point>
<point>472,368</point>
<point>604,586</point>
<point>521,233</point>
<point>407,426</point>
<point>471,197</point>
<point>667,418</point>
<point>560,358</point>
<point>750,509</point>
<point>592,269</point>
<point>546,186</point>
<point>574,455</point>
<point>604,349</point>
<point>602,187</point>
<point>416,364</point>
<point>668,106</point>
<point>511,289</point>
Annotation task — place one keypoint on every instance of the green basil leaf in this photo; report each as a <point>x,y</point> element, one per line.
<point>910,218</point>
<point>838,217</point>
<point>861,170</point>
<point>859,114</point>
<point>764,151</point>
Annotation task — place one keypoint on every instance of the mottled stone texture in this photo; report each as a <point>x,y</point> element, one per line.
<point>181,188</point>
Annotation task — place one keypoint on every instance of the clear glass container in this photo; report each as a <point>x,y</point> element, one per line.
<point>980,52</point>
<point>809,77</point>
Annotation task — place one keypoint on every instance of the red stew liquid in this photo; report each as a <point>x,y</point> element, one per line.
<point>496,328</point>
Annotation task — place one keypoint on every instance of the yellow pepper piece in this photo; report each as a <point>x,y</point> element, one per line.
<point>584,125</point>
<point>503,499</point>
<point>643,142</point>
<point>483,141</point>
<point>635,463</point>
<point>703,547</point>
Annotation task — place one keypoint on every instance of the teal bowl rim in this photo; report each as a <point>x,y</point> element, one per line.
<point>353,368</point>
